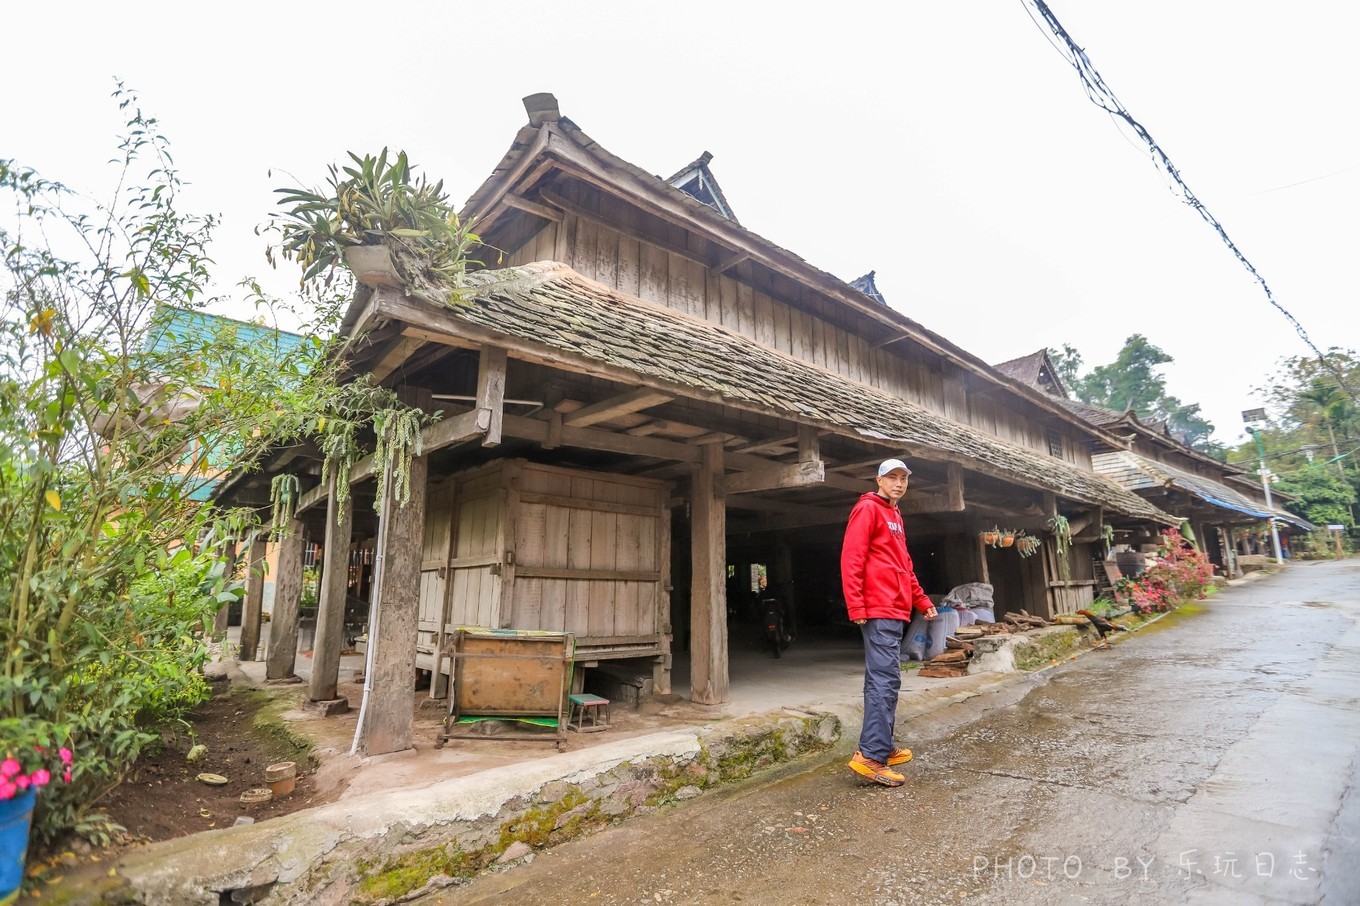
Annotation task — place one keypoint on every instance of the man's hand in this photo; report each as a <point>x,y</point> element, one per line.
<point>859,622</point>
<point>932,613</point>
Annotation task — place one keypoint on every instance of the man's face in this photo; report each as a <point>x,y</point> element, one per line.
<point>893,485</point>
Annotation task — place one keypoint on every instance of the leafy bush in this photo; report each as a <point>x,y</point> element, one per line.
<point>1179,572</point>
<point>109,428</point>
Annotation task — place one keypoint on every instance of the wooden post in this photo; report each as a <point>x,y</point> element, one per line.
<point>708,596</point>
<point>330,612</point>
<point>220,620</point>
<point>491,392</point>
<point>250,608</point>
<point>389,718</point>
<point>283,623</point>
<point>661,668</point>
<point>983,572</point>
<point>788,589</point>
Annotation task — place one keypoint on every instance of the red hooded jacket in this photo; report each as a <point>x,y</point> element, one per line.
<point>876,571</point>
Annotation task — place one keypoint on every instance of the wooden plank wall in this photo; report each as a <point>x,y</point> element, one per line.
<point>588,554</point>
<point>434,562</point>
<point>477,546</point>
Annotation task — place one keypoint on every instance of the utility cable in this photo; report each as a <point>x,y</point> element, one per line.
<point>1100,94</point>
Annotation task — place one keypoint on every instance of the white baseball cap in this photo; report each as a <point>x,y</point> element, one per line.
<point>892,465</point>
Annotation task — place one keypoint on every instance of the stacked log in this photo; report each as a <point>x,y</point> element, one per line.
<point>952,662</point>
<point>1023,621</point>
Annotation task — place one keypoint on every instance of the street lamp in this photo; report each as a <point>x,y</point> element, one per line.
<point>1251,417</point>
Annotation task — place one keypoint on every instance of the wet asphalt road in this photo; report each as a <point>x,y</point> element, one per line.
<point>1213,757</point>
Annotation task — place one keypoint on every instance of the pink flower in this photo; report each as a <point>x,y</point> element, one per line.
<point>8,768</point>
<point>7,789</point>
<point>66,775</point>
<point>65,756</point>
<point>22,781</point>
<point>41,777</point>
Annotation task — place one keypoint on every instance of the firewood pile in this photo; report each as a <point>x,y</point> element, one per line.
<point>953,662</point>
<point>959,647</point>
<point>1025,621</point>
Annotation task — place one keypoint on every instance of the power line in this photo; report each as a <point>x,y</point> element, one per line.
<point>1100,94</point>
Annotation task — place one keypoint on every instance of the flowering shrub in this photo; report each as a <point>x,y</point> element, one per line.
<point>31,759</point>
<point>1179,572</point>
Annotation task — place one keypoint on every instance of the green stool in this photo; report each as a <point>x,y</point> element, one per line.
<point>589,713</point>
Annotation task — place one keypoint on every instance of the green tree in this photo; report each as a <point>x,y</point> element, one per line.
<point>1315,415</point>
<point>112,420</point>
<point>1133,382</point>
<point>1320,496</point>
<point>109,430</point>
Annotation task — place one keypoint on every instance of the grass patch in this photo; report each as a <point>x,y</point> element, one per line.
<point>269,720</point>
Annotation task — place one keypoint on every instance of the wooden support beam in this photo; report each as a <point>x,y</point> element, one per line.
<point>532,207</point>
<point>554,438</point>
<point>776,446</point>
<point>389,722</point>
<point>795,475</point>
<point>330,612</point>
<point>394,356</point>
<point>729,261</point>
<point>954,476</point>
<point>1086,526</point>
<point>623,404</point>
<point>930,503</point>
<point>809,444</point>
<point>283,621</point>
<point>607,441</point>
<point>254,600</point>
<point>981,553</point>
<point>709,683</point>
<point>219,631</point>
<point>444,433</point>
<point>491,392</point>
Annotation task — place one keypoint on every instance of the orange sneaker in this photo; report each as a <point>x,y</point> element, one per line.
<point>899,756</point>
<point>876,771</point>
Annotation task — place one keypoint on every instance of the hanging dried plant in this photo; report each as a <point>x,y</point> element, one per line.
<point>398,433</point>
<point>283,497</point>
<point>341,452</point>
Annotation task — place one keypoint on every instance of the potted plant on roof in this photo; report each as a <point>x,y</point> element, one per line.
<point>386,227</point>
<point>990,536</point>
<point>1007,537</point>
<point>1027,545</point>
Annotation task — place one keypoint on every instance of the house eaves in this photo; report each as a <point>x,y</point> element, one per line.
<point>554,140</point>
<point>1139,473</point>
<point>548,313</point>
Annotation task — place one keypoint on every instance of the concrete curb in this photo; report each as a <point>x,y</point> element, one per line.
<point>386,846</point>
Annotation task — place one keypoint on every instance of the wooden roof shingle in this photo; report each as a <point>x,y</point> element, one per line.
<point>557,311</point>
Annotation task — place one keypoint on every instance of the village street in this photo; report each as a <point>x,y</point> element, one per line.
<point>1212,758</point>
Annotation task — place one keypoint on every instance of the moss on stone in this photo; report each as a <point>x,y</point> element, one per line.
<point>1037,653</point>
<point>268,720</point>
<point>398,875</point>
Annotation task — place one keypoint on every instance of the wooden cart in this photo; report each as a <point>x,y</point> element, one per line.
<point>506,674</point>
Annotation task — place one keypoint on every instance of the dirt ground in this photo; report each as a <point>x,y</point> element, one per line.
<point>163,798</point>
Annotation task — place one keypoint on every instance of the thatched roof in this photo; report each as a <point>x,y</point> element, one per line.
<point>557,312</point>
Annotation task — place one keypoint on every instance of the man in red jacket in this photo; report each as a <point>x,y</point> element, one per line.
<point>881,592</point>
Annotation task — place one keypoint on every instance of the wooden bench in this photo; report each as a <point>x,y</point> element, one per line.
<point>588,713</point>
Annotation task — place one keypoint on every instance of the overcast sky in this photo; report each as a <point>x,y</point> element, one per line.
<point>945,145</point>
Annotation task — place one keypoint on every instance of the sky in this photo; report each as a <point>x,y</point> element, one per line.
<point>946,146</point>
